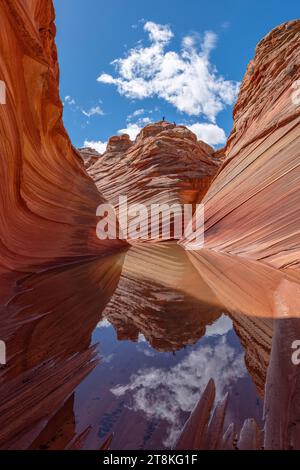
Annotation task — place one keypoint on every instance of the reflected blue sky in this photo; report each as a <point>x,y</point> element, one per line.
<point>145,396</point>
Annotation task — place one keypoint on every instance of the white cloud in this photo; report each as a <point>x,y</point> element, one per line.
<point>132,130</point>
<point>104,324</point>
<point>225,25</point>
<point>106,78</point>
<point>209,42</point>
<point>99,146</point>
<point>158,32</point>
<point>92,111</point>
<point>188,42</point>
<point>220,327</point>
<point>166,394</point>
<point>137,112</point>
<point>186,79</point>
<point>144,121</point>
<point>69,100</point>
<point>209,133</point>
<point>141,338</point>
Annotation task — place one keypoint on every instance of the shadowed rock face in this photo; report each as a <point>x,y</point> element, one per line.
<point>51,319</point>
<point>165,164</point>
<point>252,206</point>
<point>47,201</point>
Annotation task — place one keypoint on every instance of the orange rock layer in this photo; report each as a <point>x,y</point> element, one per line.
<point>165,164</point>
<point>47,201</point>
<point>252,206</point>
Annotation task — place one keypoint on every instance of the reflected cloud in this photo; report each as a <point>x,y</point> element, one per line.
<point>167,394</point>
<point>220,327</point>
<point>104,324</point>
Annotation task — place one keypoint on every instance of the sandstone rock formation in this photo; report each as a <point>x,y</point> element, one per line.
<point>165,164</point>
<point>48,203</point>
<point>89,156</point>
<point>252,206</point>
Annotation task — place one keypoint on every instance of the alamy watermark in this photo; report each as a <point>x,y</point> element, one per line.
<point>154,222</point>
<point>296,93</point>
<point>296,354</point>
<point>2,92</point>
<point>2,353</point>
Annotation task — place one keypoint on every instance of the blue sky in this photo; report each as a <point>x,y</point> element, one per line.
<point>179,59</point>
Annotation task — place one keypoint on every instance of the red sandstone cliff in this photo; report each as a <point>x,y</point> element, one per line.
<point>165,164</point>
<point>252,207</point>
<point>47,201</point>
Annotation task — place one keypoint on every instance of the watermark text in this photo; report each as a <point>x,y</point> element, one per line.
<point>155,222</point>
<point>2,92</point>
<point>296,354</point>
<point>2,353</point>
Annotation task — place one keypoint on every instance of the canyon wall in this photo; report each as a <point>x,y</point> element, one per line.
<point>47,201</point>
<point>252,206</point>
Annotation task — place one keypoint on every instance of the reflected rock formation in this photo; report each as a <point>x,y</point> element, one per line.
<point>263,303</point>
<point>48,336</point>
<point>161,296</point>
<point>247,290</point>
<point>47,320</point>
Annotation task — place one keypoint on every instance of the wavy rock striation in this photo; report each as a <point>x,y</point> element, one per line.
<point>165,164</point>
<point>47,326</point>
<point>252,206</point>
<point>47,201</point>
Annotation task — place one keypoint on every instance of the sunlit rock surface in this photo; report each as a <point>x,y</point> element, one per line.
<point>48,202</point>
<point>252,206</point>
<point>165,164</point>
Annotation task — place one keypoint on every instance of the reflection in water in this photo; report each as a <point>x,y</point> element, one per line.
<point>163,394</point>
<point>162,296</point>
<point>145,396</point>
<point>51,319</point>
<point>127,344</point>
